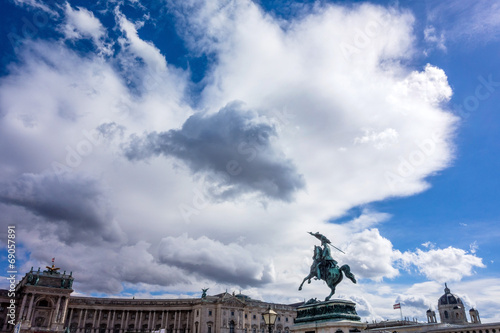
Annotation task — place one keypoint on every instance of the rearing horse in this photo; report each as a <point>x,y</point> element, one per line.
<point>333,274</point>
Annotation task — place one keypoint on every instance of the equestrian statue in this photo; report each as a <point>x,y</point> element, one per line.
<point>325,268</point>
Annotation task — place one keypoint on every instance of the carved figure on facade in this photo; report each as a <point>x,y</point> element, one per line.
<point>325,268</point>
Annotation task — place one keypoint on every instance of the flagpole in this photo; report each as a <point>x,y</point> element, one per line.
<point>401,311</point>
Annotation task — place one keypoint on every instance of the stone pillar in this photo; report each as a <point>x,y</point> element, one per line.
<point>96,329</point>
<point>70,317</point>
<point>166,319</point>
<point>31,306</point>
<point>123,321</point>
<point>64,310</point>
<point>136,319</point>
<point>78,329</point>
<point>107,323</point>
<point>56,313</point>
<point>112,329</point>
<point>176,327</point>
<point>21,312</point>
<point>125,325</point>
<point>153,321</point>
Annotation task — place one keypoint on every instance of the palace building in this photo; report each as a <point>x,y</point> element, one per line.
<point>44,304</point>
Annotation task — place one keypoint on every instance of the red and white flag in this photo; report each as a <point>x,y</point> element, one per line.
<point>397,306</point>
<point>53,259</point>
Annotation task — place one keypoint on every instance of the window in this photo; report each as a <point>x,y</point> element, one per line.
<point>102,329</point>
<point>446,314</point>
<point>132,316</point>
<point>90,315</point>
<point>231,326</point>
<point>146,316</point>
<point>105,315</point>
<point>209,313</point>
<point>73,327</point>
<point>254,317</point>
<point>119,315</point>
<point>43,303</point>
<point>232,313</point>
<point>88,328</point>
<point>210,328</point>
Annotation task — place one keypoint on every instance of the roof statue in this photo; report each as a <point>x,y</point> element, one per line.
<point>325,268</point>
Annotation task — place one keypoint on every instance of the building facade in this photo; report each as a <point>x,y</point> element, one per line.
<point>44,304</point>
<point>452,315</point>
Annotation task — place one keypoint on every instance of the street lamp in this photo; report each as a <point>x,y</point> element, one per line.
<point>270,318</point>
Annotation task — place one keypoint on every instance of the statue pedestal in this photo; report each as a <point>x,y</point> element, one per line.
<point>334,316</point>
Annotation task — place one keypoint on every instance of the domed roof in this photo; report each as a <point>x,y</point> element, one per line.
<point>449,298</point>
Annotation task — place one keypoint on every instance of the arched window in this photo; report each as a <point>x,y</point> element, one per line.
<point>446,314</point>
<point>231,327</point>
<point>43,303</point>
<point>88,328</point>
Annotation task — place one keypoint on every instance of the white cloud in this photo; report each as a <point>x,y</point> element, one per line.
<point>147,51</point>
<point>205,257</point>
<point>466,21</point>
<point>449,264</point>
<point>371,255</point>
<point>379,140</point>
<point>82,23</point>
<point>435,40</point>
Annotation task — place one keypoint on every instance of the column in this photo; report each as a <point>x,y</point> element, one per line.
<point>79,321</point>
<point>56,313</point>
<point>64,310</point>
<point>84,320</point>
<point>166,320</point>
<point>98,322</point>
<point>136,319</point>
<point>123,320</point>
<point>113,321</point>
<point>149,321</point>
<point>153,321</point>
<point>175,322</point>
<point>107,323</point>
<point>22,307</point>
<point>70,317</point>
<point>31,306</point>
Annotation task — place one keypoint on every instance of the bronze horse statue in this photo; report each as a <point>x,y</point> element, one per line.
<point>327,270</point>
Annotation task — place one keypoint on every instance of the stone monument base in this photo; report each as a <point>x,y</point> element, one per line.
<point>334,316</point>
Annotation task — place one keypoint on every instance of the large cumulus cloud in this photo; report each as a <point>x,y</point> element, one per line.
<point>234,145</point>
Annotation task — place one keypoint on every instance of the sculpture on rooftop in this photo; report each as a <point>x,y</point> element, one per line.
<point>325,268</point>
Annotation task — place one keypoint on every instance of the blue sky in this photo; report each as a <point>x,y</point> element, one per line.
<point>179,145</point>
